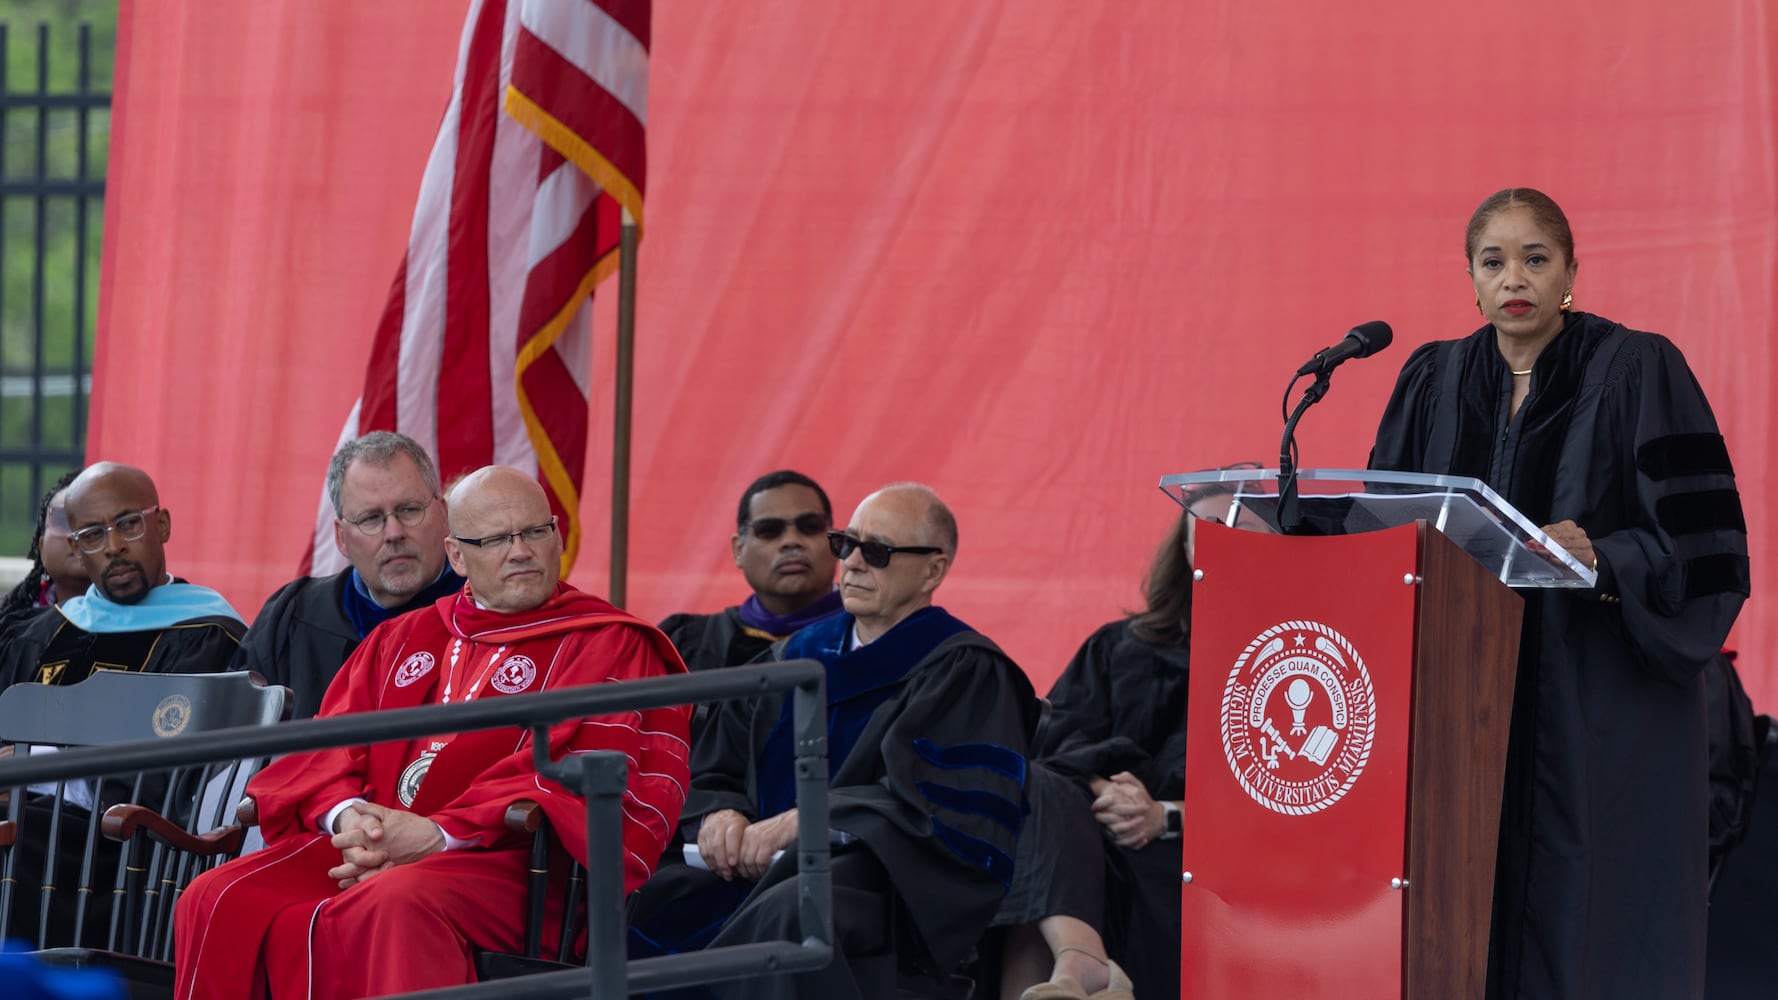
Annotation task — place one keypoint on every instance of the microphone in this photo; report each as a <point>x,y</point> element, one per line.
<point>1361,341</point>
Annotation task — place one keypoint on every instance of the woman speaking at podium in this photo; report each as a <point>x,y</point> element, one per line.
<point>1601,434</point>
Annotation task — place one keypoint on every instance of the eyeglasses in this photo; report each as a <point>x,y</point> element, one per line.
<point>875,553</point>
<point>409,514</point>
<point>534,535</point>
<point>130,527</point>
<point>767,529</point>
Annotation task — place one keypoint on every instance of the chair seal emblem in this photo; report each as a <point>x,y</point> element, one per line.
<point>171,716</point>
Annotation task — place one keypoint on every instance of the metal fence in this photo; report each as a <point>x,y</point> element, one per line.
<point>598,776</point>
<point>54,136</point>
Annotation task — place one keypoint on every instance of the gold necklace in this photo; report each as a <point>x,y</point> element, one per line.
<point>1525,372</point>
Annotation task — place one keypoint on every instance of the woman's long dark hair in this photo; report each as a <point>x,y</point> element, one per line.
<point>24,596</point>
<point>1168,619</point>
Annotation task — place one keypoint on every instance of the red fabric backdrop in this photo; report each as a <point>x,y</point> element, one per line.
<point>1035,253</point>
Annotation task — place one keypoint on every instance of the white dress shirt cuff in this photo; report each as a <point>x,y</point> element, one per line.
<point>333,814</point>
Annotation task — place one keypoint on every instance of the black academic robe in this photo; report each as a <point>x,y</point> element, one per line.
<point>706,642</point>
<point>1120,706</point>
<point>301,638</point>
<point>302,635</point>
<point>53,650</point>
<point>965,698</point>
<point>17,620</point>
<point>1600,882</point>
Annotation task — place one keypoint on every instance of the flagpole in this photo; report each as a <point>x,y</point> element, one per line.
<point>620,424</point>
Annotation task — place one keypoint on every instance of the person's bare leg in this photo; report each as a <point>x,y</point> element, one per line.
<point>1025,960</point>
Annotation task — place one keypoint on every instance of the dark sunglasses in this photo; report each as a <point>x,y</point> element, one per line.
<point>767,529</point>
<point>875,553</point>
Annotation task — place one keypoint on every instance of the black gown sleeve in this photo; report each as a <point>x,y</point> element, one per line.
<point>722,762</point>
<point>1079,741</point>
<point>202,646</point>
<point>263,648</point>
<point>954,758</point>
<point>1407,419</point>
<point>1678,562</point>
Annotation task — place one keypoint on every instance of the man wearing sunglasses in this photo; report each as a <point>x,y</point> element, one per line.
<point>389,523</point>
<point>929,727</point>
<point>386,869</point>
<point>134,616</point>
<point>780,547</point>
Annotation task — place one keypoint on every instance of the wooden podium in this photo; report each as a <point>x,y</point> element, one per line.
<point>1345,746</point>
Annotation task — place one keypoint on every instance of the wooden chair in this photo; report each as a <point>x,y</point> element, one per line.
<point>116,870</point>
<point>527,817</point>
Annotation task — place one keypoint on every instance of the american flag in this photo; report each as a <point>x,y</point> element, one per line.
<point>484,348</point>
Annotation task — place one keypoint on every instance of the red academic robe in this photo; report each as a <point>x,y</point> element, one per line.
<point>274,917</point>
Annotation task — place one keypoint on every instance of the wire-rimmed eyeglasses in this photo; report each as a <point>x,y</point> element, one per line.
<point>409,514</point>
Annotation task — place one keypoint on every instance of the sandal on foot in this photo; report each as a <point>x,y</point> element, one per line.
<point>1060,989</point>
<point>1119,988</point>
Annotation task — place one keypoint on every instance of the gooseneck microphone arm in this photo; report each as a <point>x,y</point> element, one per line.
<point>1361,342</point>
<point>1290,520</point>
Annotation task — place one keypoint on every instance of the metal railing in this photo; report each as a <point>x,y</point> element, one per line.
<point>599,777</point>
<point>49,170</point>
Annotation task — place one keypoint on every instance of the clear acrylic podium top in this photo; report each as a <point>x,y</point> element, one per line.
<point>1353,501</point>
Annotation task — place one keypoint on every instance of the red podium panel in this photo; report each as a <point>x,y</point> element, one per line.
<point>1297,764</point>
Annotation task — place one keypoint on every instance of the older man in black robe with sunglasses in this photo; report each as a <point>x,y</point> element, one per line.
<point>929,727</point>
<point>781,550</point>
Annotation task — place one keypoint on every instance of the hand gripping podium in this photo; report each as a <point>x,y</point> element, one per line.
<point>1351,690</point>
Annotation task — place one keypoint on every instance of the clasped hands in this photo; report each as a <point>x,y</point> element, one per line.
<point>733,846</point>
<point>374,838</point>
<point>1127,811</point>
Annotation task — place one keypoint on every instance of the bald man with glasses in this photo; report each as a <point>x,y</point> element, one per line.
<point>780,547</point>
<point>929,729</point>
<point>386,868</point>
<point>135,617</point>
<point>390,524</point>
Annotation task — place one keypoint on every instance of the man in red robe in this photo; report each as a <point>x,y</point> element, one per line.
<point>389,866</point>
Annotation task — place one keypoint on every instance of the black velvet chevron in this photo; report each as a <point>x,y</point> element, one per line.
<point>1700,454</point>
<point>1724,573</point>
<point>1704,510</point>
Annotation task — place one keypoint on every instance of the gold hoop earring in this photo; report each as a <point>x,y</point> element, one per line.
<point>1567,300</point>
<point>1478,306</point>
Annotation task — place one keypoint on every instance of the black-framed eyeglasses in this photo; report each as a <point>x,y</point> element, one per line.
<point>536,534</point>
<point>769,529</point>
<point>875,553</point>
<point>409,514</point>
<point>130,527</point>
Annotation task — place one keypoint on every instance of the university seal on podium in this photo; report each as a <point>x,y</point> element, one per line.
<point>1299,716</point>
